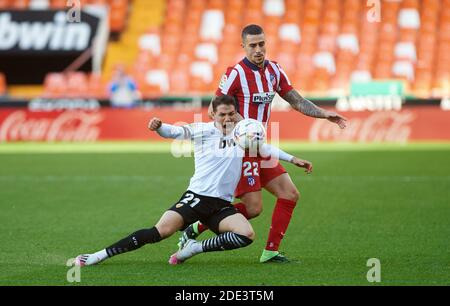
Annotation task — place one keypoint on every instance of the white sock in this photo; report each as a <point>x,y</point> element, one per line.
<point>102,254</point>
<point>97,257</point>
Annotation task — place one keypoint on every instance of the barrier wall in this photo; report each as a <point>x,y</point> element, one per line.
<point>421,123</point>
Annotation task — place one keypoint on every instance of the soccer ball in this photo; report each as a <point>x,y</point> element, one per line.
<point>249,134</point>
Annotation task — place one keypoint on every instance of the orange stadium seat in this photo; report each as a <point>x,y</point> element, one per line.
<point>96,87</point>
<point>77,84</point>
<point>320,80</point>
<point>118,14</point>
<point>58,4</point>
<point>4,4</point>
<point>179,82</point>
<point>423,81</point>
<point>55,85</point>
<point>19,4</point>
<point>2,84</point>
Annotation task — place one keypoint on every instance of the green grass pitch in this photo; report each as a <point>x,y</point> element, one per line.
<point>390,202</point>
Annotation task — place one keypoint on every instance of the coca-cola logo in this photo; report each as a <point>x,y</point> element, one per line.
<point>67,126</point>
<point>378,127</point>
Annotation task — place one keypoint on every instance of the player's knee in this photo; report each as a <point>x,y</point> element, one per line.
<point>295,195</point>
<point>249,233</point>
<point>165,230</point>
<point>292,195</point>
<point>254,207</point>
<point>254,211</point>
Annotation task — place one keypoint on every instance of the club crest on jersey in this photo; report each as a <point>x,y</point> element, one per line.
<point>273,80</point>
<point>251,181</point>
<point>265,97</point>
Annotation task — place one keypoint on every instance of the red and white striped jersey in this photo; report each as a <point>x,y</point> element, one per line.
<point>254,88</point>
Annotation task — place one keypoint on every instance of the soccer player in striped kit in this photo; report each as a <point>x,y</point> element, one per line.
<point>253,83</point>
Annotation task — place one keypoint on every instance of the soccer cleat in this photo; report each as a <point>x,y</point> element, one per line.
<point>273,257</point>
<point>173,260</point>
<point>190,232</point>
<point>87,260</point>
<point>185,253</point>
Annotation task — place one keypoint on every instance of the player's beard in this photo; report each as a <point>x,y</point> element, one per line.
<point>258,60</point>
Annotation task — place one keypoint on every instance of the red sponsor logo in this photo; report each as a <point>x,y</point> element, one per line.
<point>65,126</point>
<point>378,127</point>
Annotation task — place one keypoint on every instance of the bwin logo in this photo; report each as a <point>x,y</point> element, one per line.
<point>226,143</point>
<point>265,97</point>
<point>56,35</point>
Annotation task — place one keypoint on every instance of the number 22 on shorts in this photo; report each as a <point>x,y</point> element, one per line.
<point>250,169</point>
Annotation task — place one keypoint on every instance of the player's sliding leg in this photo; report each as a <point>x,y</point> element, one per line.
<point>287,196</point>
<point>235,232</point>
<point>169,223</point>
<point>194,230</point>
<point>249,192</point>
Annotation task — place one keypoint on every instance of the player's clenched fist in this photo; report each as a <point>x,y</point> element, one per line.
<point>154,124</point>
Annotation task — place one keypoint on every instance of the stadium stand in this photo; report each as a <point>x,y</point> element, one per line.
<point>322,45</point>
<point>182,47</point>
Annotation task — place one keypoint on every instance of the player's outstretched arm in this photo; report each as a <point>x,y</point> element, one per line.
<point>268,150</point>
<point>302,163</point>
<point>167,130</point>
<point>308,108</point>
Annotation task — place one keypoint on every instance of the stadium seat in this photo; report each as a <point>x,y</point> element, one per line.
<point>96,87</point>
<point>2,84</point>
<point>55,85</point>
<point>58,4</point>
<point>320,81</point>
<point>77,83</point>
<point>179,82</point>
<point>157,81</point>
<point>19,4</point>
<point>274,8</point>
<point>422,83</point>
<point>211,26</point>
<point>4,4</point>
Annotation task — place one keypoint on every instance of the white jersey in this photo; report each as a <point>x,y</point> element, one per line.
<point>218,160</point>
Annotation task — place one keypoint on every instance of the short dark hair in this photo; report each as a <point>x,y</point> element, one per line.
<point>223,100</point>
<point>252,29</point>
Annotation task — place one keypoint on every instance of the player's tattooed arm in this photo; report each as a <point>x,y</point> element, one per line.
<point>308,108</point>
<point>303,105</point>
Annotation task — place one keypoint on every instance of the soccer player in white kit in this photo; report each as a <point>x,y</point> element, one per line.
<point>218,164</point>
